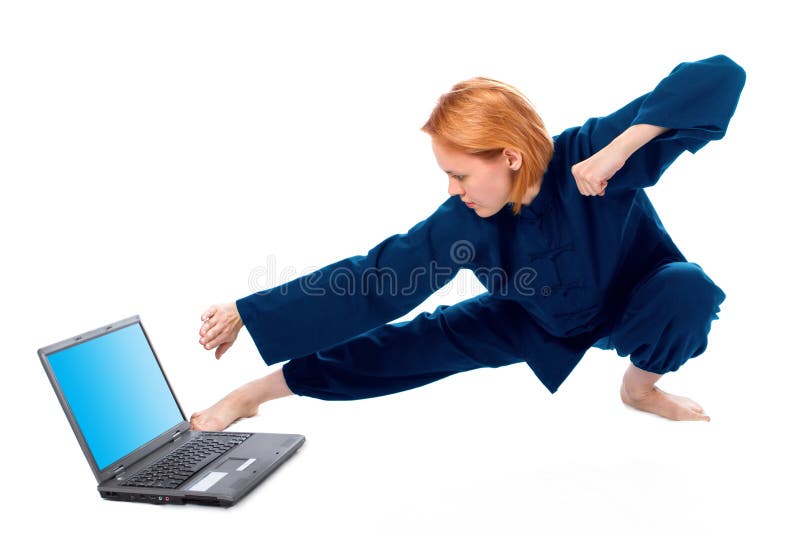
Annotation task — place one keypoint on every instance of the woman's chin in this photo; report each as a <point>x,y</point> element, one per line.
<point>482,211</point>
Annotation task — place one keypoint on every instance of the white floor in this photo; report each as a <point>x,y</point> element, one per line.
<point>488,449</point>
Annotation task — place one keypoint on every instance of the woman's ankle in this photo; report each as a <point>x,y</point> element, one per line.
<point>639,383</point>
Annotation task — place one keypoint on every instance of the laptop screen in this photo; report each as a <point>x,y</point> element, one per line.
<point>116,391</point>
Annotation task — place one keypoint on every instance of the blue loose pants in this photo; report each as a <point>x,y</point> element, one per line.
<point>662,323</point>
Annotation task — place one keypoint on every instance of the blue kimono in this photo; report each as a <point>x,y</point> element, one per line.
<point>568,273</point>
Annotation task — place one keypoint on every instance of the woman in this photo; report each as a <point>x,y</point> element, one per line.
<point>561,233</point>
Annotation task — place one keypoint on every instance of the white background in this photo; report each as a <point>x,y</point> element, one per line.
<point>154,156</point>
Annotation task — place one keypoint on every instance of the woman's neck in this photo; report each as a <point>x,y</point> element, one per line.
<point>531,193</point>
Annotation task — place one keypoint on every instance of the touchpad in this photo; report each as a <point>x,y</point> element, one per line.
<point>229,466</point>
<point>235,464</point>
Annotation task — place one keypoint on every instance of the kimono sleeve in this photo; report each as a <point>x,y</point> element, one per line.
<point>358,293</point>
<point>696,101</point>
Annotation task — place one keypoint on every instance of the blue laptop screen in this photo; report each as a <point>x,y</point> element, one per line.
<point>116,391</point>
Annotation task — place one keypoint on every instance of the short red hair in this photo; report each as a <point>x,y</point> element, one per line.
<point>481,116</point>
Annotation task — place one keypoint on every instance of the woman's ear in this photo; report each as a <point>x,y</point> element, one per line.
<point>513,158</point>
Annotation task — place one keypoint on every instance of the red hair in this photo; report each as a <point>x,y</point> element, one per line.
<point>481,116</point>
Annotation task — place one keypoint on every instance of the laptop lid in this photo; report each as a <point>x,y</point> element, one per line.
<point>115,394</point>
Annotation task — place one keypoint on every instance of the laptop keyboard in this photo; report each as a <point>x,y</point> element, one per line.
<point>175,468</point>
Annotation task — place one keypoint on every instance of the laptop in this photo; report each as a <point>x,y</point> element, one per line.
<point>133,430</point>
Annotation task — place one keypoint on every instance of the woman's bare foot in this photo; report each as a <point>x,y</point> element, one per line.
<point>241,402</point>
<point>224,413</point>
<point>638,390</point>
<point>666,405</point>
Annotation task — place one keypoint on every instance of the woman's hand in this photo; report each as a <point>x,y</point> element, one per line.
<point>221,325</point>
<point>592,174</point>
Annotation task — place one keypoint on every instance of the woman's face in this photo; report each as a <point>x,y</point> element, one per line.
<point>483,185</point>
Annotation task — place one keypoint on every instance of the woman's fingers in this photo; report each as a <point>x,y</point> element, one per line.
<point>587,188</point>
<point>595,188</point>
<point>208,334</point>
<point>581,187</point>
<point>207,330</point>
<point>213,342</point>
<point>216,335</point>
<point>206,326</point>
<point>208,313</point>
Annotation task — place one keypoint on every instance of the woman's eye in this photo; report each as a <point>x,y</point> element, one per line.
<point>459,177</point>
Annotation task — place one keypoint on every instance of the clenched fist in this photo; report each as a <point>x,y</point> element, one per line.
<point>592,174</point>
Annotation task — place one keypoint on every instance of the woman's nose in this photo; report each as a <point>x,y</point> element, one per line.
<point>455,188</point>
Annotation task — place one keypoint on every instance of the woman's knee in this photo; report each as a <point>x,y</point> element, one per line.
<point>683,291</point>
<point>668,317</point>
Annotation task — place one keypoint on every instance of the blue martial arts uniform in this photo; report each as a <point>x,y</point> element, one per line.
<point>568,273</point>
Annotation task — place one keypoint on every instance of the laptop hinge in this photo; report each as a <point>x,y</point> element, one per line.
<point>119,470</point>
<point>176,435</point>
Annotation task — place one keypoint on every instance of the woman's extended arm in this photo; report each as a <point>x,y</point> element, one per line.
<point>361,292</point>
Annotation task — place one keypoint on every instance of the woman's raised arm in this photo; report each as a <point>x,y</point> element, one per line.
<point>694,103</point>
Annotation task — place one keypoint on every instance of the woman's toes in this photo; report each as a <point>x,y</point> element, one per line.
<point>702,417</point>
<point>697,415</point>
<point>699,409</point>
<point>690,403</point>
